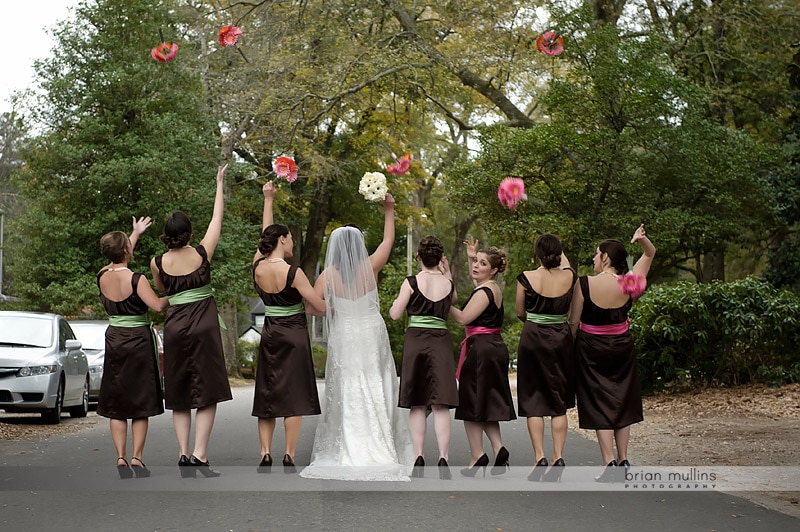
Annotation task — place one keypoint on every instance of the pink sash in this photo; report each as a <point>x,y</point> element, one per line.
<point>606,330</point>
<point>472,331</point>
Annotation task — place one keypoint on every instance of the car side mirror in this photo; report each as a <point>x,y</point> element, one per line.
<point>72,345</point>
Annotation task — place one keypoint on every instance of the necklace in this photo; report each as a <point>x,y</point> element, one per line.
<point>275,260</point>
<point>608,273</point>
<point>484,284</point>
<point>430,272</point>
<point>118,269</point>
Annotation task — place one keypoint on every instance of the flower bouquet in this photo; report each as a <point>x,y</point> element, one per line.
<point>511,192</point>
<point>373,186</point>
<point>285,168</point>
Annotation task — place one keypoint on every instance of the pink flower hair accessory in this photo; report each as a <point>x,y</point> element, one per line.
<point>632,284</point>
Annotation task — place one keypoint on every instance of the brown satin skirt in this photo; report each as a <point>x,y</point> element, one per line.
<point>428,375</point>
<point>285,382</point>
<point>608,388</point>
<point>545,379</point>
<point>484,393</point>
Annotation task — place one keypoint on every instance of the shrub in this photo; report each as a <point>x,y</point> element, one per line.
<point>247,357</point>
<point>718,333</point>
<point>320,356</point>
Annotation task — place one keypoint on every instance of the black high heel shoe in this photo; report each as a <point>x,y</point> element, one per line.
<point>186,468</point>
<point>538,470</point>
<point>288,464</point>
<point>203,467</point>
<point>501,462</point>
<point>123,470</point>
<point>419,468</point>
<point>265,466</point>
<point>610,473</point>
<point>141,470</point>
<point>444,470</point>
<point>624,464</point>
<point>556,470</point>
<point>480,463</point>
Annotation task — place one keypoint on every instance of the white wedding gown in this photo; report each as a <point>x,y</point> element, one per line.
<point>362,434</point>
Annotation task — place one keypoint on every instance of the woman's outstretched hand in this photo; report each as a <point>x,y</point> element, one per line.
<point>141,225</point>
<point>221,173</point>
<point>388,202</point>
<point>472,247</point>
<point>444,267</point>
<point>269,189</point>
<point>639,234</point>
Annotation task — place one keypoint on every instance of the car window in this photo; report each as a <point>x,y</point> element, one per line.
<point>91,335</point>
<point>34,331</point>
<point>64,334</point>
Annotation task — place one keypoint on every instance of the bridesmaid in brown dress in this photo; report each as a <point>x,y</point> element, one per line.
<point>131,384</point>
<point>195,376</point>
<point>544,358</point>
<point>608,390</point>
<point>484,394</point>
<point>427,378</point>
<point>285,383</point>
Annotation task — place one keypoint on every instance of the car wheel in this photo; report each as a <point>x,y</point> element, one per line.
<point>53,415</point>
<point>83,408</point>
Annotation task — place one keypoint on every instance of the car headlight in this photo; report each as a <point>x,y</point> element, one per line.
<point>95,369</point>
<point>31,371</point>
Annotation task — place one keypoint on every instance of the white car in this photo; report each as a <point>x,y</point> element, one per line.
<point>42,366</point>
<point>92,336</point>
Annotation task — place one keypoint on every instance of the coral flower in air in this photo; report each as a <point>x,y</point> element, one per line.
<point>164,52</point>
<point>400,166</point>
<point>285,168</point>
<point>549,43</point>
<point>632,284</point>
<point>511,192</point>
<point>229,35</point>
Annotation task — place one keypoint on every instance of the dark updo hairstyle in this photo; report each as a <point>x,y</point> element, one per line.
<point>430,251</point>
<point>548,250</point>
<point>617,254</point>
<point>497,258</point>
<point>270,237</point>
<point>114,246</point>
<point>177,230</point>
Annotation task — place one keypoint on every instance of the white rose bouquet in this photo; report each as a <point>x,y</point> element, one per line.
<point>373,186</point>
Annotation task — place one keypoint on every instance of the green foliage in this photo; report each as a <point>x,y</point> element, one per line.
<point>247,358</point>
<point>320,357</point>
<point>628,142</point>
<point>718,333</point>
<point>125,136</point>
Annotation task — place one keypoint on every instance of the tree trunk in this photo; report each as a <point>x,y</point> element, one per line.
<point>229,338</point>
<point>319,216</point>
<point>714,266</point>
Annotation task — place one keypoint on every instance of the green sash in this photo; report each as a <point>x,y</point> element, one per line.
<point>193,295</point>
<point>426,322</point>
<point>546,319</point>
<point>138,320</point>
<point>281,312</point>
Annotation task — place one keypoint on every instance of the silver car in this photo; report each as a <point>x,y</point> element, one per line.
<point>42,366</point>
<point>92,336</point>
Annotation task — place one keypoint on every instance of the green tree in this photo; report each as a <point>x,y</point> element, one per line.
<point>627,141</point>
<point>121,136</point>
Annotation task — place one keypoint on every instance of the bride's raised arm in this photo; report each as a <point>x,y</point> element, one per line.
<point>381,256</point>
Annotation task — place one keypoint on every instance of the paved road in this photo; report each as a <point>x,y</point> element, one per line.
<point>68,482</point>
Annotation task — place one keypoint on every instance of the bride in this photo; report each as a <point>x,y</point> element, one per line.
<point>362,434</point>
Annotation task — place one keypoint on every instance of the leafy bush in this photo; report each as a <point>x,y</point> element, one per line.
<point>247,357</point>
<point>320,356</point>
<point>718,333</point>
